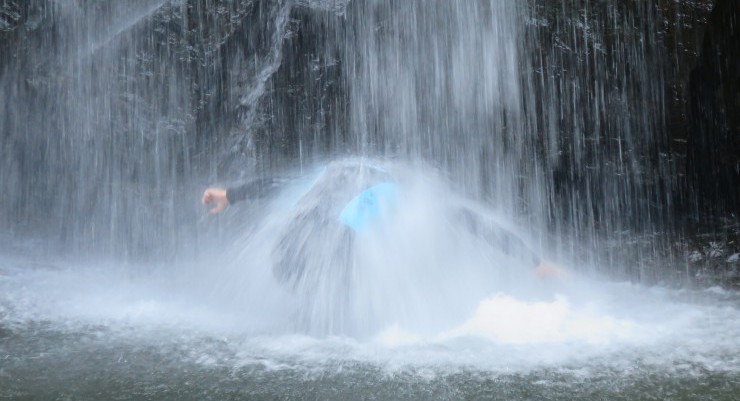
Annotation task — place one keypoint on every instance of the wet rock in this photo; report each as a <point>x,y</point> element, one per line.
<point>148,102</point>
<point>712,258</point>
<point>10,15</point>
<point>106,101</point>
<point>714,89</point>
<point>307,93</point>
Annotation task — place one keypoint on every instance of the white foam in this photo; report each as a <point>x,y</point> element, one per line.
<point>423,292</point>
<point>503,332</point>
<point>505,320</point>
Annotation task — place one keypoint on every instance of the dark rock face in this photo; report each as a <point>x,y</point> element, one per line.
<point>714,115</point>
<point>635,105</point>
<point>112,110</point>
<point>80,80</point>
<point>674,169</point>
<point>597,70</point>
<point>10,15</point>
<point>307,96</point>
<point>713,258</point>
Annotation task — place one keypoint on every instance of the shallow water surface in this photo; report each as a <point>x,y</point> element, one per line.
<point>88,332</point>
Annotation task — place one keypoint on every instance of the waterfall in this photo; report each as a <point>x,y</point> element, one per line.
<point>440,82</point>
<point>410,169</point>
<point>555,114</point>
<point>112,110</point>
<point>117,114</point>
<point>596,95</point>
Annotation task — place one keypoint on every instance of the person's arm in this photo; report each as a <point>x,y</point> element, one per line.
<point>545,269</point>
<point>216,197</point>
<point>514,245</point>
<point>508,242</point>
<point>222,198</point>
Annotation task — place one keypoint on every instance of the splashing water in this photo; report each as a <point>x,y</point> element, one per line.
<point>419,290</point>
<point>434,298</point>
<point>429,251</point>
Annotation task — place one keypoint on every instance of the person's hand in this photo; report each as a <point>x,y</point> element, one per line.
<point>547,270</point>
<point>217,197</point>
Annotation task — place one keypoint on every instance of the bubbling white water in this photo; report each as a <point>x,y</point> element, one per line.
<point>585,325</point>
<point>425,263</point>
<point>420,287</point>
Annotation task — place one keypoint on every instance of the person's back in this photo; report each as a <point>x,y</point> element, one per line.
<point>319,235</point>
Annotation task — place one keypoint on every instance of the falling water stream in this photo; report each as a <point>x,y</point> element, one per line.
<point>416,313</point>
<point>116,284</point>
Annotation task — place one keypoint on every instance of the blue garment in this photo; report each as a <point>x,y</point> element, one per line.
<point>328,204</point>
<point>371,205</point>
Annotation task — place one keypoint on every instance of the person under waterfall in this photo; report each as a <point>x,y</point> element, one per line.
<point>356,214</point>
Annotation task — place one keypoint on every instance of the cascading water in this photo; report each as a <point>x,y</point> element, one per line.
<point>504,134</point>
